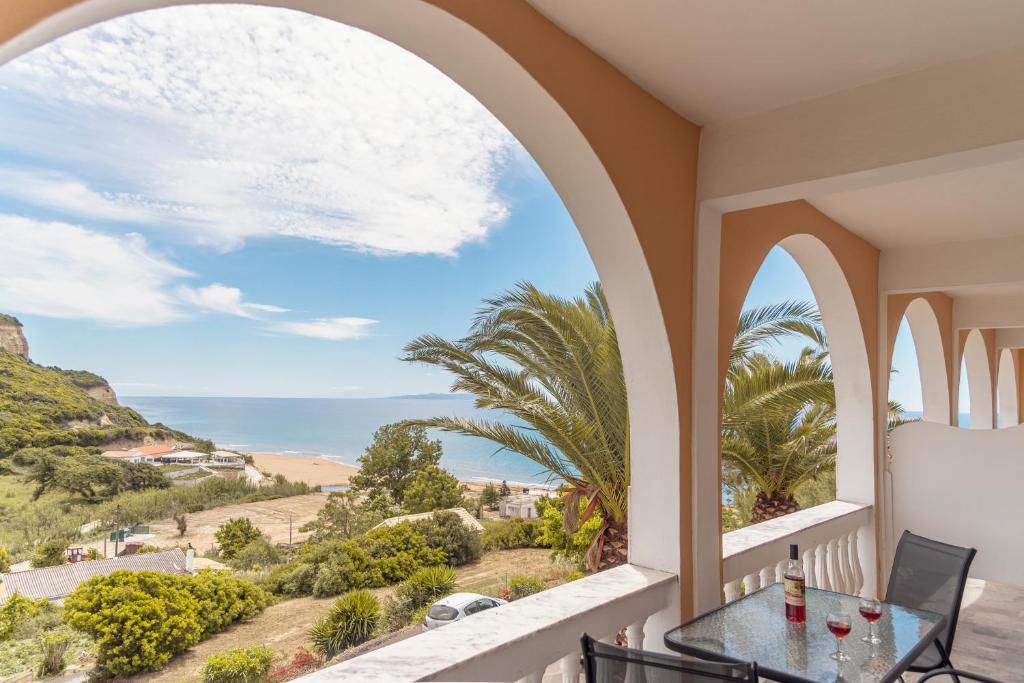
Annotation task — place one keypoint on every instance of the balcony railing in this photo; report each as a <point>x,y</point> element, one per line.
<point>828,538</point>
<point>520,641</point>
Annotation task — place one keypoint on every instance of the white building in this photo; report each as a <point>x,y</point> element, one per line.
<point>522,505</point>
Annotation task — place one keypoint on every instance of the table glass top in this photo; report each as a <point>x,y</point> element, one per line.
<point>754,628</point>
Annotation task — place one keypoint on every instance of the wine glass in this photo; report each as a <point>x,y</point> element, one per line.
<point>839,624</point>
<point>871,610</point>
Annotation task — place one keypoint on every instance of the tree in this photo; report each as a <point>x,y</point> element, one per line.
<point>182,523</point>
<point>50,553</point>
<point>397,453</point>
<point>489,496</point>
<point>343,517</point>
<point>432,489</point>
<point>235,534</point>
<point>5,560</point>
<point>553,365</point>
<point>504,491</point>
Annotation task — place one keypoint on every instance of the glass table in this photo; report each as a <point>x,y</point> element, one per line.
<point>754,629</point>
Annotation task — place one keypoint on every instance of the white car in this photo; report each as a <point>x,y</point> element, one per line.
<point>458,606</point>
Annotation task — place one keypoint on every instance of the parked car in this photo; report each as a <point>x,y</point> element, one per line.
<point>458,606</point>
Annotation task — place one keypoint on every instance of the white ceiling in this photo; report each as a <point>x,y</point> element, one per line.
<point>979,203</point>
<point>715,60</point>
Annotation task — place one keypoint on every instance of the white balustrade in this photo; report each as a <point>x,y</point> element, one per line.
<point>827,534</point>
<point>519,641</point>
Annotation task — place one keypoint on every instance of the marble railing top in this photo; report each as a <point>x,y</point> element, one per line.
<point>520,633</point>
<point>780,528</point>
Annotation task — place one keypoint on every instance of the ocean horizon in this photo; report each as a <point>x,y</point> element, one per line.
<point>337,429</point>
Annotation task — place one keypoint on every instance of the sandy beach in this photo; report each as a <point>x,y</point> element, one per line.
<point>309,469</point>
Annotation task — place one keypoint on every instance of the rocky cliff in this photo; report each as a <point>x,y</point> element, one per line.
<point>12,339</point>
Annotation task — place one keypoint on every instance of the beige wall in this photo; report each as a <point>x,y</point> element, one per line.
<point>648,151</point>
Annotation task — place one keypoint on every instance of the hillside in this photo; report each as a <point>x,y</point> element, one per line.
<point>46,406</point>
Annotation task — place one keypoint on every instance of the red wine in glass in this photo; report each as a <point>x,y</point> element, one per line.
<point>839,630</point>
<point>839,625</point>
<point>871,610</point>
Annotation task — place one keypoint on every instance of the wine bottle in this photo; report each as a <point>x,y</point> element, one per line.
<point>796,604</point>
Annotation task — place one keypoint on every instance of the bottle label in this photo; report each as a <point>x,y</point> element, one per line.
<point>795,592</point>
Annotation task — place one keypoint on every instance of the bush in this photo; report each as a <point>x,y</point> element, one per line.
<point>446,531</point>
<point>303,662</point>
<point>241,665</point>
<point>513,533</point>
<point>520,586</point>
<point>256,555</point>
<point>426,586</point>
<point>574,576</point>
<point>574,547</point>
<point>352,620</point>
<point>142,619</point>
<point>235,534</point>
<point>50,553</point>
<point>399,551</point>
<point>16,611</point>
<point>53,649</point>
<point>432,488</point>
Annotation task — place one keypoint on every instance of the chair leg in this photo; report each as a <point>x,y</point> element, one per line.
<point>945,660</point>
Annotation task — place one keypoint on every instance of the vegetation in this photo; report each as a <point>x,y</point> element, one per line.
<point>54,648</point>
<point>140,620</point>
<point>554,365</point>
<point>432,488</point>
<point>343,517</point>
<point>45,407</point>
<point>520,586</point>
<point>50,553</point>
<point>37,640</point>
<point>235,534</point>
<point>88,476</point>
<point>447,532</point>
<point>16,611</point>
<point>352,620</point>
<point>5,560</point>
<point>508,534</point>
<point>489,497</point>
<point>573,547</point>
<point>391,462</point>
<point>257,554</point>
<point>241,665</point>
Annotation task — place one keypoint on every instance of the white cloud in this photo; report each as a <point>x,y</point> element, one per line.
<point>226,123</point>
<point>66,271</point>
<point>333,329</point>
<point>222,299</point>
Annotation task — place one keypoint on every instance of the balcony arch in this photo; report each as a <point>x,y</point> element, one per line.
<point>977,351</point>
<point>1007,390</point>
<point>931,347</point>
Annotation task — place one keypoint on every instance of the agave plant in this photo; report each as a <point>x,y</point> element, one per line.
<point>352,620</point>
<point>553,364</point>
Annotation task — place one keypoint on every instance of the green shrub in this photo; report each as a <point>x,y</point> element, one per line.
<point>574,576</point>
<point>235,534</point>
<point>352,620</point>
<point>256,554</point>
<point>574,547</point>
<point>432,488</point>
<point>241,665</point>
<point>50,553</point>
<point>426,586</point>
<point>16,611</point>
<point>53,652</point>
<point>139,620</point>
<point>513,533</point>
<point>520,586</point>
<point>399,551</point>
<point>5,560</point>
<point>447,531</point>
<point>397,613</point>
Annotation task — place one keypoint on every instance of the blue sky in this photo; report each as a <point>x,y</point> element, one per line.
<point>250,201</point>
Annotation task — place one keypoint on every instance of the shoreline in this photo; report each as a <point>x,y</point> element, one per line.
<point>323,470</point>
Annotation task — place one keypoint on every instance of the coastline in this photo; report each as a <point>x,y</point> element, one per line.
<point>320,470</point>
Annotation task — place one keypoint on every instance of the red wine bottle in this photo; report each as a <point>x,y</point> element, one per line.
<point>796,602</point>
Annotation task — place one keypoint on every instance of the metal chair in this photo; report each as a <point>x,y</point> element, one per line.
<point>930,575</point>
<point>604,663</point>
<point>956,675</point>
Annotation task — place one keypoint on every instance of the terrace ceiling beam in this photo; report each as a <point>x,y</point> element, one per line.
<point>949,117</point>
<point>997,311</point>
<point>1010,338</point>
<point>953,266</point>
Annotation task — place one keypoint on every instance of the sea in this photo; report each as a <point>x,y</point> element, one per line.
<point>338,429</point>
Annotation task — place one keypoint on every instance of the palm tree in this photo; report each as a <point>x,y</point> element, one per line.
<point>554,365</point>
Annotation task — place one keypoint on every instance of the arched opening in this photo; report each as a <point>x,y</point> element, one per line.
<point>844,437</point>
<point>930,366</point>
<point>979,380</point>
<point>549,132</point>
<point>1006,390</point>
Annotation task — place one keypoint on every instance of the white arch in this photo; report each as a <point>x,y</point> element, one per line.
<point>931,361</point>
<point>979,381</point>
<point>1006,389</point>
<point>561,149</point>
<point>855,470</point>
